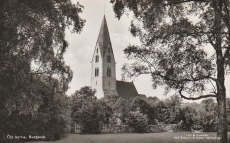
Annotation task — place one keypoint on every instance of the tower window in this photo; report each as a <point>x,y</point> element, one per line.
<point>108,72</point>
<point>97,59</point>
<point>108,59</point>
<point>96,72</point>
<point>97,50</point>
<point>108,50</point>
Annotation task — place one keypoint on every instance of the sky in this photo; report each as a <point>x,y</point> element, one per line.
<point>81,46</point>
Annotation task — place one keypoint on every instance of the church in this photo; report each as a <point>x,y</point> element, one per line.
<point>103,69</point>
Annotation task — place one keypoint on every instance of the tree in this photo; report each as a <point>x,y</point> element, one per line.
<point>137,120</point>
<point>153,112</point>
<point>180,53</point>
<point>105,112</point>
<point>188,117</point>
<point>54,115</point>
<point>120,108</point>
<point>153,101</point>
<point>204,114</point>
<point>173,109</point>
<point>144,107</point>
<point>162,113</point>
<point>209,114</point>
<point>85,110</point>
<point>51,119</point>
<point>32,42</point>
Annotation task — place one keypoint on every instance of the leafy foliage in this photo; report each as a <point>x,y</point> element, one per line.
<point>85,110</point>
<point>181,53</point>
<point>51,119</point>
<point>204,114</point>
<point>209,115</point>
<point>54,115</point>
<point>173,47</point>
<point>173,111</point>
<point>138,121</point>
<point>105,112</point>
<point>32,44</point>
<point>113,114</point>
<point>120,108</point>
<point>144,107</point>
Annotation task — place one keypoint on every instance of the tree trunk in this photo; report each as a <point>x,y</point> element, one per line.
<point>220,62</point>
<point>222,121</point>
<point>221,99</point>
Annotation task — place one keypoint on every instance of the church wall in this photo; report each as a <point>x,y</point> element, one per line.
<point>109,83</point>
<point>96,82</point>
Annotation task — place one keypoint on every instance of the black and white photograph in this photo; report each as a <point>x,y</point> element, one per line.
<point>114,71</point>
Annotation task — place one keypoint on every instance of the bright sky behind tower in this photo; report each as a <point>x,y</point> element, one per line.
<point>81,46</point>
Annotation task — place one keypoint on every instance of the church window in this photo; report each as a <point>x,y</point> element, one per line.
<point>108,72</point>
<point>108,59</point>
<point>97,50</point>
<point>96,71</point>
<point>97,59</point>
<point>108,50</point>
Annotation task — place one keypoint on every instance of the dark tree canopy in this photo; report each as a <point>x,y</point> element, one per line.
<point>32,42</point>
<point>185,46</point>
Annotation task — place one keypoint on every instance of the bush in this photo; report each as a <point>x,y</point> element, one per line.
<point>86,110</point>
<point>51,119</point>
<point>90,123</point>
<point>116,129</point>
<point>138,121</point>
<point>157,128</point>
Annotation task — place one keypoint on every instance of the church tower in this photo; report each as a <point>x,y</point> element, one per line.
<point>103,69</point>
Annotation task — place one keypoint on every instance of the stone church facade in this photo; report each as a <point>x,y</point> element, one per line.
<point>103,69</point>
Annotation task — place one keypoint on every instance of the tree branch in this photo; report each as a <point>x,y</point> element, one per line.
<point>144,59</point>
<point>185,1</point>
<point>185,79</point>
<point>196,98</point>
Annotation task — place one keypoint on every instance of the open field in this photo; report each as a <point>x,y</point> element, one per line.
<point>166,137</point>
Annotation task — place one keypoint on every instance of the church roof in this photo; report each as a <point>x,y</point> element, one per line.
<point>103,39</point>
<point>126,89</point>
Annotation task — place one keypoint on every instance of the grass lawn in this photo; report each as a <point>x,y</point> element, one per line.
<point>166,137</point>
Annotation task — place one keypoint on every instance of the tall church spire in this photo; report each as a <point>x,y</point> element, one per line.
<point>103,73</point>
<point>104,32</point>
<point>103,38</point>
<point>103,69</point>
